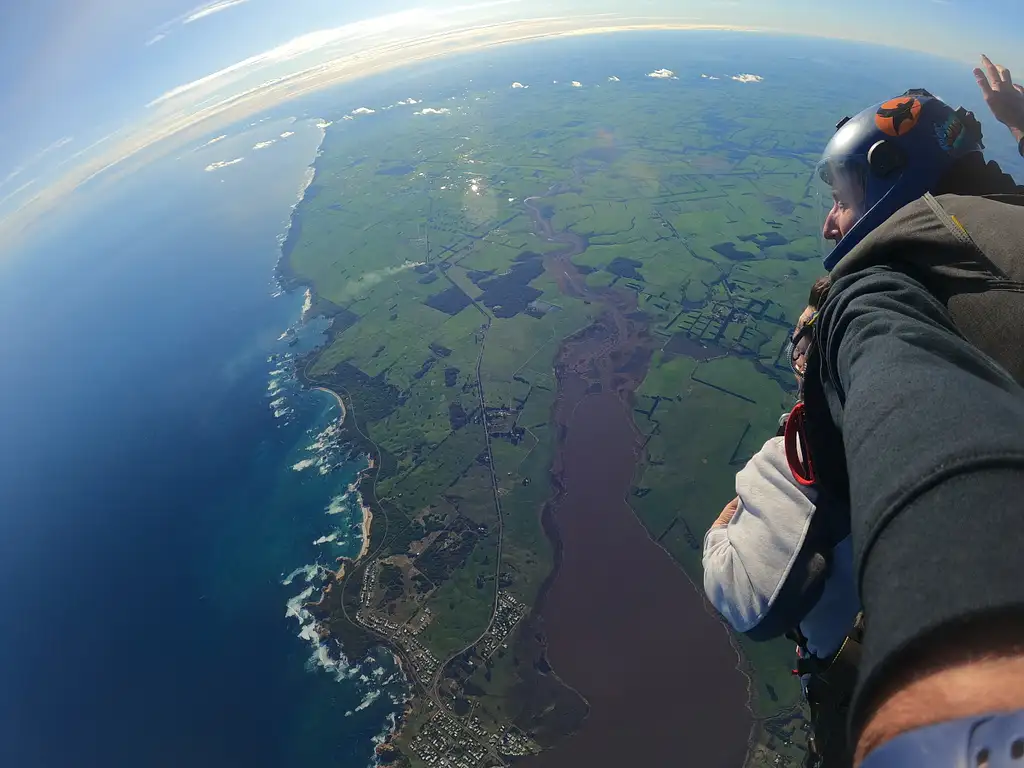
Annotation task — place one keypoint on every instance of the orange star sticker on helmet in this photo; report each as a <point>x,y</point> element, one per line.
<point>898,117</point>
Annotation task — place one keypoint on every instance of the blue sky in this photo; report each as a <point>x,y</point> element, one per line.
<point>88,83</point>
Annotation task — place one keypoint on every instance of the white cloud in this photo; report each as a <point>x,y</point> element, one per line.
<point>303,45</point>
<point>663,74</point>
<point>363,111</point>
<point>12,176</point>
<point>613,79</point>
<point>215,140</point>
<point>348,117</point>
<point>286,134</point>
<point>264,144</point>
<point>519,85</point>
<point>577,84</point>
<point>408,102</point>
<point>197,13</point>
<point>367,280</point>
<point>710,77</point>
<point>28,163</point>
<point>223,164</point>
<point>209,9</point>
<point>432,111</point>
<point>17,191</point>
<point>747,78</point>
<point>58,144</point>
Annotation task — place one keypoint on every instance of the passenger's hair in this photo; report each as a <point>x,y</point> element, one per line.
<point>819,292</point>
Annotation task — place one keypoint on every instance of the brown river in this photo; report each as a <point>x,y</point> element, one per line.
<point>623,624</point>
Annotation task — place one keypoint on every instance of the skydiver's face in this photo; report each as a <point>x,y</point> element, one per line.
<point>846,210</point>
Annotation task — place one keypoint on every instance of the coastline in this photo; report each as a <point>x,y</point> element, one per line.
<point>367,525</point>
<point>341,402</point>
<point>357,643</point>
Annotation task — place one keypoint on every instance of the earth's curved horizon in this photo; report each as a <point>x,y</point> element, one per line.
<point>549,287</point>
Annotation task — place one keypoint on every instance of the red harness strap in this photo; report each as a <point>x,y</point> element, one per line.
<point>797,452</point>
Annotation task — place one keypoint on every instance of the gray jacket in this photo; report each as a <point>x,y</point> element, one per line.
<point>747,561</point>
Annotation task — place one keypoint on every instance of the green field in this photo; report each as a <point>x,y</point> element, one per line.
<point>417,232</point>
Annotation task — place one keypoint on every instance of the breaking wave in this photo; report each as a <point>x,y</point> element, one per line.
<point>330,659</point>
<point>337,505</point>
<point>308,572</point>
<point>367,701</point>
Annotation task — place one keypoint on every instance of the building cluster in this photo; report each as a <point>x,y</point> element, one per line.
<point>446,741</point>
<point>424,663</point>
<point>369,583</point>
<point>419,622</point>
<point>510,612</point>
<point>377,623</point>
<point>443,742</point>
<point>513,743</point>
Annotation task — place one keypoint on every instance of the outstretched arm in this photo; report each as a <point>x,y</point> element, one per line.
<point>934,437</point>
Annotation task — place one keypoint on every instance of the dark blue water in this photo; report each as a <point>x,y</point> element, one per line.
<point>148,509</point>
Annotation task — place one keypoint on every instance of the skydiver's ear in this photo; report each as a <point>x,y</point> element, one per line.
<point>884,158</point>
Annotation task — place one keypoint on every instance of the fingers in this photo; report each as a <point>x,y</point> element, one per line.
<point>983,83</point>
<point>998,74</point>
<point>993,72</point>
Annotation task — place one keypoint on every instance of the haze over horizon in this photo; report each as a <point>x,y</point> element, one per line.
<point>93,83</point>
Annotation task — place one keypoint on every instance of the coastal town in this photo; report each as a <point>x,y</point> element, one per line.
<point>443,742</point>
<point>446,739</point>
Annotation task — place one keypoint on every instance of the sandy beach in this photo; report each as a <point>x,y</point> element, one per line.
<point>341,403</point>
<point>367,522</point>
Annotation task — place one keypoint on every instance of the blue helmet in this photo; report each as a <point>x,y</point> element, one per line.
<point>893,153</point>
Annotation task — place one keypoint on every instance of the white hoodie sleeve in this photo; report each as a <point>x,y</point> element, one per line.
<point>747,561</point>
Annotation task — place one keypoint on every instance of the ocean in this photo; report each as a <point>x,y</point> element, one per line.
<point>160,508</point>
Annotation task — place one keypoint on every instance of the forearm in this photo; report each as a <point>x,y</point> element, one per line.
<point>934,436</point>
<point>980,663</point>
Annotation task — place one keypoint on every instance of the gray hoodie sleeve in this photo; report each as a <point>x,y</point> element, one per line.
<point>934,438</point>
<point>747,561</point>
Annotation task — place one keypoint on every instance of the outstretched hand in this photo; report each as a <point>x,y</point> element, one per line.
<point>1003,96</point>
